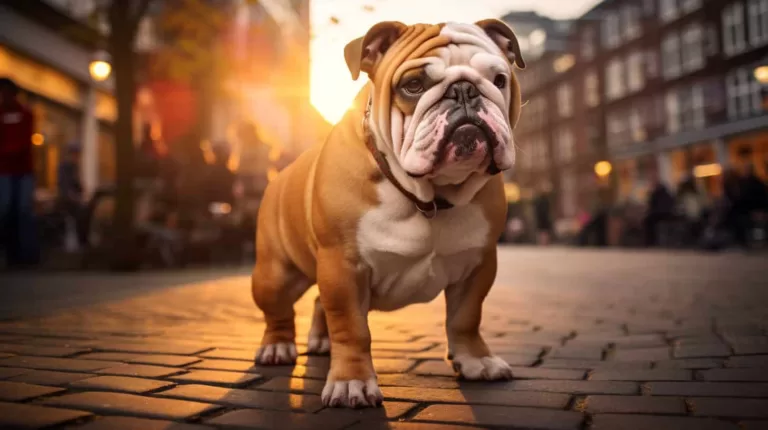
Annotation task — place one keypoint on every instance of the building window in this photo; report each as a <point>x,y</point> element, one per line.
<point>688,6</point>
<point>631,22</point>
<point>670,56</point>
<point>693,49</point>
<point>691,107</point>
<point>539,153</point>
<point>614,79</point>
<point>699,107</point>
<point>672,107</point>
<point>668,10</point>
<point>649,7</point>
<point>611,30</point>
<point>744,93</point>
<point>758,22</point>
<point>565,145</point>
<point>734,31</point>
<point>565,100</point>
<point>651,64</point>
<point>637,126</point>
<point>588,44</point>
<point>616,129</point>
<point>591,89</point>
<point>635,77</point>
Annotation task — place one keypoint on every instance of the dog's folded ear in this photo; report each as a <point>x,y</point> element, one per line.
<point>364,53</point>
<point>505,39</point>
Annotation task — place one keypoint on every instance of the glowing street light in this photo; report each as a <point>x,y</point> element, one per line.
<point>99,68</point>
<point>761,74</point>
<point>603,168</point>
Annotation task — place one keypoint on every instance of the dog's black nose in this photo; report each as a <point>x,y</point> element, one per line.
<point>462,91</point>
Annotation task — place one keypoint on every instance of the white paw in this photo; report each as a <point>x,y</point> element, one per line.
<point>352,394</point>
<point>490,368</point>
<point>278,353</point>
<point>319,345</point>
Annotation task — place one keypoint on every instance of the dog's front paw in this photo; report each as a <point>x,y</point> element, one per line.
<point>489,368</point>
<point>277,353</point>
<point>352,394</point>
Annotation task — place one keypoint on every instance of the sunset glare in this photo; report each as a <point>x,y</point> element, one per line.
<point>336,22</point>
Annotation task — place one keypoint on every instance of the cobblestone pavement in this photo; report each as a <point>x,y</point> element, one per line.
<point>598,340</point>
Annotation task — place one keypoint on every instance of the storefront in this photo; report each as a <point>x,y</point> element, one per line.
<point>750,148</point>
<point>56,101</point>
<point>700,160</point>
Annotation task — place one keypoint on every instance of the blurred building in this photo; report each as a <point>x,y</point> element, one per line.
<point>655,87</point>
<point>46,48</point>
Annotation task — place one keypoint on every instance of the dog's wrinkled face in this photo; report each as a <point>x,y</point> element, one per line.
<point>453,95</point>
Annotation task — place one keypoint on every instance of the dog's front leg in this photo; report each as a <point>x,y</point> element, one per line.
<point>345,297</point>
<point>464,308</point>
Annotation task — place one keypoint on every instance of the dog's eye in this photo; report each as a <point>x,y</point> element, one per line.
<point>500,81</point>
<point>414,87</point>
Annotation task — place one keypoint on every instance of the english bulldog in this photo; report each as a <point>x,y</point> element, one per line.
<point>403,201</point>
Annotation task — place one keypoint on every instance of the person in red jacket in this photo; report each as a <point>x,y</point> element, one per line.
<point>17,182</point>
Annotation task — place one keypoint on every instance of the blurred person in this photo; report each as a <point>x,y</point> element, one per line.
<point>221,181</point>
<point>735,208</point>
<point>17,180</point>
<point>659,209</point>
<point>595,227</point>
<point>692,202</point>
<point>543,210</point>
<point>755,194</point>
<point>70,191</point>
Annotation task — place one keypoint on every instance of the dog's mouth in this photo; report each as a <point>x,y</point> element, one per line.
<point>462,137</point>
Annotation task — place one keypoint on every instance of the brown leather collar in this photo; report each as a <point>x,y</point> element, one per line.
<point>428,209</point>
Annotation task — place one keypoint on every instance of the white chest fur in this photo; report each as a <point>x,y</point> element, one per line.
<point>413,258</point>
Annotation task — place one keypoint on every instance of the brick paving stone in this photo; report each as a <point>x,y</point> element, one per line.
<point>388,411</point>
<point>313,361</point>
<point>480,395</point>
<point>645,422</point>
<point>638,341</point>
<point>642,354</point>
<point>747,361</point>
<point>390,365</point>
<point>519,360</point>
<point>230,354</point>
<point>641,375</point>
<point>49,377</point>
<point>577,387</point>
<point>731,408</point>
<point>254,418</point>
<point>577,352</point>
<point>402,346</point>
<point>294,385</point>
<point>735,375</point>
<point>19,416</point>
<point>559,363</point>
<point>140,371</point>
<point>123,384</point>
<point>403,425</point>
<point>753,425</point>
<point>245,398</point>
<point>233,379</point>
<point>128,423</point>
<point>155,359</point>
<point>702,350</point>
<point>708,389</point>
<point>689,363</point>
<point>633,405</point>
<point>43,351</point>
<point>48,363</point>
<point>151,348</point>
<point>10,372</point>
<point>529,418</point>
<point>407,380</point>
<point>6,354</point>
<point>751,346</point>
<point>248,367</point>
<point>541,373</point>
<point>19,391</point>
<point>434,368</point>
<point>131,404</point>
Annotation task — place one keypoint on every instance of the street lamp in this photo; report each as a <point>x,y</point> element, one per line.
<point>761,74</point>
<point>603,169</point>
<point>99,70</point>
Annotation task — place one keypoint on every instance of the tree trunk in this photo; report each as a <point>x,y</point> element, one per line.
<point>125,252</point>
